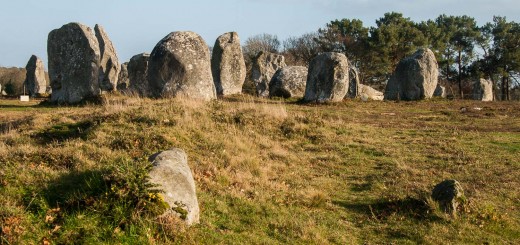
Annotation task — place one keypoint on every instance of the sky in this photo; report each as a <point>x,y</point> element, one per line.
<point>136,26</point>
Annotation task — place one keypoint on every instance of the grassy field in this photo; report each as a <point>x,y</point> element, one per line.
<point>267,171</point>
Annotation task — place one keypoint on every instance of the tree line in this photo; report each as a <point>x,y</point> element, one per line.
<point>465,51</point>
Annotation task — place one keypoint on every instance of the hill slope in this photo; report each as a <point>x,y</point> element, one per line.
<point>266,171</point>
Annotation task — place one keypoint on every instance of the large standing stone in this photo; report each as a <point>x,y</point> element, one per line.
<point>483,90</point>
<point>73,52</point>
<point>180,66</point>
<point>414,78</point>
<point>228,65</point>
<point>288,82</point>
<point>35,78</point>
<point>440,91</point>
<point>137,74</point>
<point>369,93</point>
<point>173,176</point>
<point>122,80</point>
<point>109,63</point>
<point>265,65</point>
<point>449,194</point>
<point>328,78</point>
<point>354,84</point>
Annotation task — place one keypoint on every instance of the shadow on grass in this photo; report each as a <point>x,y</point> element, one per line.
<point>66,131</point>
<point>381,209</point>
<point>71,191</point>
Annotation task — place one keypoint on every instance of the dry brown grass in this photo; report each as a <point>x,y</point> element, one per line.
<point>280,172</point>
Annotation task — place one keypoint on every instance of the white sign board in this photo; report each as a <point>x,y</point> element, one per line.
<point>24,98</point>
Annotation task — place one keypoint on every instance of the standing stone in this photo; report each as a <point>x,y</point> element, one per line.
<point>180,66</point>
<point>227,64</point>
<point>288,82</point>
<point>35,78</point>
<point>109,63</point>
<point>265,64</point>
<point>369,93</point>
<point>414,78</point>
<point>354,84</point>
<point>483,90</point>
<point>440,91</point>
<point>171,173</point>
<point>137,74</point>
<point>449,194</point>
<point>73,52</point>
<point>328,78</point>
<point>122,80</point>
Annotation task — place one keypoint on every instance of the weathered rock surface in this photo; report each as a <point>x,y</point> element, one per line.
<point>449,194</point>
<point>179,66</point>
<point>354,84</point>
<point>109,63</point>
<point>137,74</point>
<point>288,82</point>
<point>369,93</point>
<point>265,65</point>
<point>122,80</point>
<point>227,64</point>
<point>415,77</point>
<point>35,77</point>
<point>483,90</point>
<point>328,78</point>
<point>173,176</point>
<point>73,52</point>
<point>440,91</point>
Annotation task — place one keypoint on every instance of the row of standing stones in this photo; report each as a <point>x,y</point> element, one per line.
<point>83,63</point>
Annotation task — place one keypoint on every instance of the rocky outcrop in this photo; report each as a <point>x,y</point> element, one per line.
<point>227,64</point>
<point>449,195</point>
<point>35,76</point>
<point>265,65</point>
<point>109,66</point>
<point>368,93</point>
<point>73,53</point>
<point>440,91</point>
<point>415,77</point>
<point>172,175</point>
<point>483,90</point>
<point>328,78</point>
<point>288,82</point>
<point>137,74</point>
<point>122,80</point>
<point>179,66</point>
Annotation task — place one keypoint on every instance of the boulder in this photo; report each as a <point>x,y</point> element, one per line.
<point>414,78</point>
<point>354,84</point>
<point>265,65</point>
<point>288,82</point>
<point>328,78</point>
<point>369,93</point>
<point>122,80</point>
<point>179,66</point>
<point>483,90</point>
<point>449,195</point>
<point>227,64</point>
<point>73,53</point>
<point>109,67</point>
<point>172,175</point>
<point>35,79</point>
<point>440,91</point>
<point>137,74</point>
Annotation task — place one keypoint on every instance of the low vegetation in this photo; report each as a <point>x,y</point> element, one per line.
<point>266,171</point>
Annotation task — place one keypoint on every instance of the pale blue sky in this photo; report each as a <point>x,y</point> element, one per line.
<point>136,26</point>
